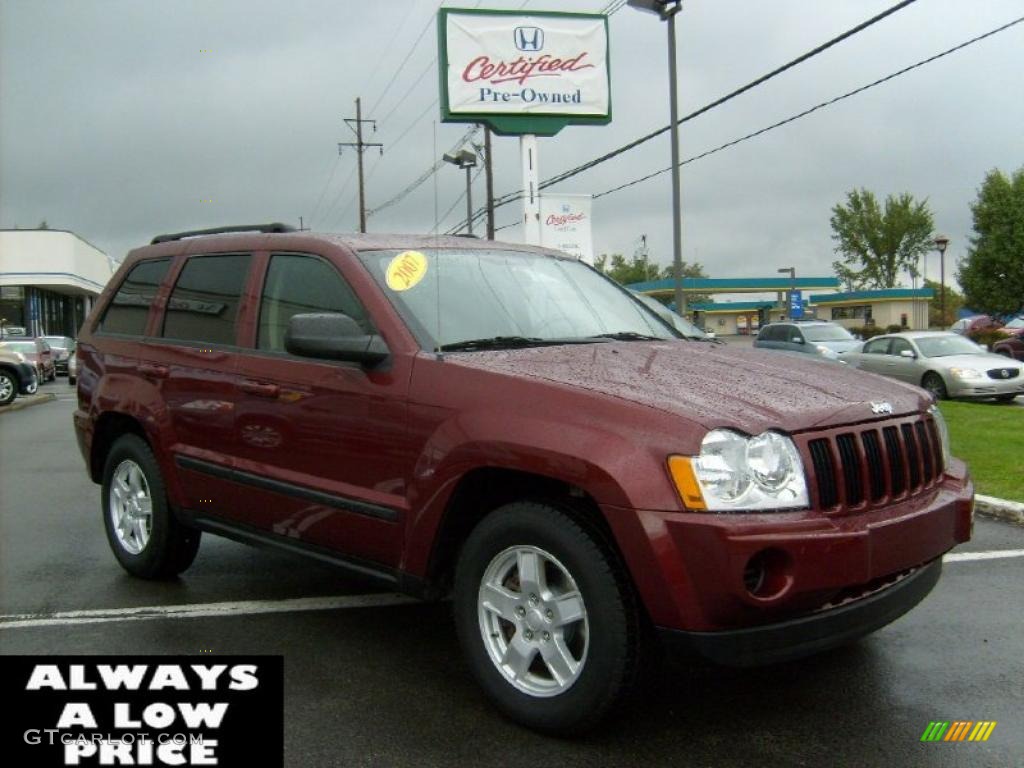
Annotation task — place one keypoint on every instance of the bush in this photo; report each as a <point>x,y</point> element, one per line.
<point>867,331</point>
<point>987,337</point>
<point>894,328</point>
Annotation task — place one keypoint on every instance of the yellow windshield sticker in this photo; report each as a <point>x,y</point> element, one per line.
<point>406,270</point>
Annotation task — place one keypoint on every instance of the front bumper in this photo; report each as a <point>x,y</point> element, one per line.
<point>810,634</point>
<point>986,387</point>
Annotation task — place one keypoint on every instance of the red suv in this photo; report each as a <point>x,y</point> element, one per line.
<point>505,424</point>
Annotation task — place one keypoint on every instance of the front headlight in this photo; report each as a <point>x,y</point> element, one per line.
<point>965,373</point>
<point>736,473</point>
<point>940,425</point>
<point>826,352</point>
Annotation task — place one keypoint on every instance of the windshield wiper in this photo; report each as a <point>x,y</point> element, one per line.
<point>509,342</point>
<point>626,336</point>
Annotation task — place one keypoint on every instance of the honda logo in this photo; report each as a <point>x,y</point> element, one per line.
<point>529,38</point>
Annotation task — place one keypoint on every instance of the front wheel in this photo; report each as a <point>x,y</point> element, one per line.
<point>1005,398</point>
<point>146,538</point>
<point>546,618</point>
<point>8,388</point>
<point>935,385</point>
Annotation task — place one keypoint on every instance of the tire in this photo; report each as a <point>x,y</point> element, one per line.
<point>153,545</point>
<point>32,387</point>
<point>1005,398</point>
<point>8,388</point>
<point>72,380</point>
<point>934,384</point>
<point>594,650</point>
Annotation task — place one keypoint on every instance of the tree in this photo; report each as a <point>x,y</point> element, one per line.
<point>877,245</point>
<point>640,270</point>
<point>953,302</point>
<point>992,273</point>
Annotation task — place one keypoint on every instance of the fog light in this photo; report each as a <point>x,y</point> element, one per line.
<point>768,574</point>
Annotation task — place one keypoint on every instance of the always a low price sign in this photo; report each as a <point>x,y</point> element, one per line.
<point>143,710</point>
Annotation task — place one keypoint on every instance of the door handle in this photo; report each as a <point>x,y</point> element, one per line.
<point>259,389</point>
<point>154,371</point>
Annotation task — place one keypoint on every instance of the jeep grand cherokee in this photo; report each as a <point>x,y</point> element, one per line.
<point>507,425</point>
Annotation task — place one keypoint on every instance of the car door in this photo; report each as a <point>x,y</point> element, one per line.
<point>190,356</point>
<point>901,367</point>
<point>323,453</point>
<point>873,355</point>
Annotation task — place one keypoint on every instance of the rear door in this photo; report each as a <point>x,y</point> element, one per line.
<point>903,368</point>
<point>323,447</point>
<point>190,357</point>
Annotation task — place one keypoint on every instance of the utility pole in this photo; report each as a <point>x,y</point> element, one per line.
<point>489,174</point>
<point>360,145</point>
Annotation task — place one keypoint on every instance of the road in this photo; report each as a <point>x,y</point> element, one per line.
<point>385,684</point>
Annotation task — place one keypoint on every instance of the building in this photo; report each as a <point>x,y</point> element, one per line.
<point>903,307</point>
<point>49,279</point>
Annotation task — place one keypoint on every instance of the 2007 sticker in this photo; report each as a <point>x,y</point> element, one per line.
<point>406,270</point>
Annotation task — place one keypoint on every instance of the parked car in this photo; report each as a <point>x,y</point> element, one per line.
<point>944,363</point>
<point>61,348</point>
<point>677,321</point>
<point>1010,347</point>
<point>17,376</point>
<point>815,337</point>
<point>12,331</point>
<point>38,352</point>
<point>508,426</point>
<point>967,325</point>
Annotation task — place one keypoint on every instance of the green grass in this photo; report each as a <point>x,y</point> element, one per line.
<point>990,438</point>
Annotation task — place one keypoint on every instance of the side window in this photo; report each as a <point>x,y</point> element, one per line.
<point>203,306</point>
<point>793,334</point>
<point>128,310</point>
<point>297,284</point>
<point>899,345</point>
<point>767,333</point>
<point>877,347</point>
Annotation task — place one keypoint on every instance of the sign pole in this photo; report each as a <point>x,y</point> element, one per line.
<point>531,191</point>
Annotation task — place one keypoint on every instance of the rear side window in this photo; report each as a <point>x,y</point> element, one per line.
<point>877,347</point>
<point>203,306</point>
<point>297,284</point>
<point>129,309</point>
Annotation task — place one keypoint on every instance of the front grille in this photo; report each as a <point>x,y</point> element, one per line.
<point>1003,373</point>
<point>855,467</point>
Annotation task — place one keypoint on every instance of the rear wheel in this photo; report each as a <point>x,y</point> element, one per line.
<point>146,538</point>
<point>546,618</point>
<point>8,388</point>
<point>934,384</point>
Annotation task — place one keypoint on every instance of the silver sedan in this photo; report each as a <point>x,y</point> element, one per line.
<point>946,364</point>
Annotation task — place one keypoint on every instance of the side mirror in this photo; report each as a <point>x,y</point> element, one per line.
<point>333,336</point>
<point>908,353</point>
<point>797,339</point>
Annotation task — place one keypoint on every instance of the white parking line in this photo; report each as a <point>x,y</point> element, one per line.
<point>999,554</point>
<point>255,607</point>
<point>201,610</point>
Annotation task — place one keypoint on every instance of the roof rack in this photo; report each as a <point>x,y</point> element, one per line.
<point>275,227</point>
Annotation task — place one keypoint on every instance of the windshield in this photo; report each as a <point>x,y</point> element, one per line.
<point>826,333</point>
<point>58,342</point>
<point>681,324</point>
<point>944,346</point>
<point>1017,322</point>
<point>452,296</point>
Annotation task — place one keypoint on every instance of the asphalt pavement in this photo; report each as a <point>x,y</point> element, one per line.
<point>385,684</point>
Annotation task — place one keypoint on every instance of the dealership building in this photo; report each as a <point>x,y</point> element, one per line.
<point>49,279</point>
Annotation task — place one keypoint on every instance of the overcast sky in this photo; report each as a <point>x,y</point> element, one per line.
<point>121,120</point>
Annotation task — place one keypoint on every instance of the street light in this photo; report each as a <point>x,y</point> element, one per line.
<point>464,159</point>
<point>940,245</point>
<point>792,289</point>
<point>667,10</point>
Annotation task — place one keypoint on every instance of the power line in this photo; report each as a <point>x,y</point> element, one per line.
<point>510,197</point>
<point>816,107</point>
<point>405,60</point>
<point>459,199</point>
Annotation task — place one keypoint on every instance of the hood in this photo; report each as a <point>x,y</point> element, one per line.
<point>981,362</point>
<point>840,345</point>
<point>748,389</point>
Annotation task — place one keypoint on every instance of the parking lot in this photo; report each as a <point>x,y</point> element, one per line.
<point>371,679</point>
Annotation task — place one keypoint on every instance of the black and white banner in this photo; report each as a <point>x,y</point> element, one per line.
<point>142,710</point>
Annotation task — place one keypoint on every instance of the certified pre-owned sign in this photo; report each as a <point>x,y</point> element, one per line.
<point>532,73</point>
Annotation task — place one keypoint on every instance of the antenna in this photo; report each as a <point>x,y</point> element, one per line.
<point>437,264</point>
